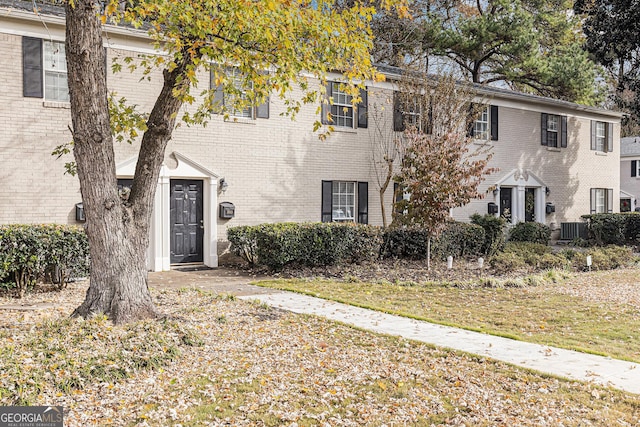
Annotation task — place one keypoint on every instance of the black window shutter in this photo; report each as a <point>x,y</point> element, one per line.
<point>363,202</point>
<point>593,200</point>
<point>326,104</point>
<point>494,122</point>
<point>609,133</point>
<point>327,200</point>
<point>544,129</point>
<point>634,168</point>
<point>594,137</point>
<point>262,110</point>
<point>609,200</point>
<point>563,131</point>
<point>471,131</point>
<point>398,117</point>
<point>363,121</point>
<point>32,74</point>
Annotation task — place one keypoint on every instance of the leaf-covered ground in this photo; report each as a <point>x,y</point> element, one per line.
<point>220,361</point>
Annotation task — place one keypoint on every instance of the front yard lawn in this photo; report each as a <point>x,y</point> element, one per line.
<point>596,312</point>
<point>219,361</point>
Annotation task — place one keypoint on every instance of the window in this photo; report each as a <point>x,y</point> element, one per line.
<point>554,130</point>
<point>481,126</point>
<point>339,111</point>
<point>601,136</point>
<point>222,99</point>
<point>635,168</point>
<point>344,201</point>
<point>55,72</point>
<point>341,108</point>
<point>485,126</point>
<point>44,69</point>
<point>601,200</point>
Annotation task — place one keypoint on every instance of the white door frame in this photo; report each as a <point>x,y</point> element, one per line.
<point>519,181</point>
<point>159,252</point>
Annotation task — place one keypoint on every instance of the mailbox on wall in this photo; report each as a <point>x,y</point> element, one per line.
<point>227,210</point>
<point>80,212</point>
<point>550,208</point>
<point>492,208</point>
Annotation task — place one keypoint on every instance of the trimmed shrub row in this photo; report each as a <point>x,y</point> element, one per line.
<point>458,239</point>
<point>519,257</point>
<point>34,252</point>
<point>309,244</point>
<point>614,228</point>
<point>319,244</point>
<point>533,232</point>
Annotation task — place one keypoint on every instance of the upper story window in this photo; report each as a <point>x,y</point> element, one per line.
<point>554,130</point>
<point>601,136</point>
<point>341,107</point>
<point>224,100</point>
<point>485,126</point>
<point>481,125</point>
<point>635,168</point>
<point>340,111</point>
<point>44,69</point>
<point>55,72</point>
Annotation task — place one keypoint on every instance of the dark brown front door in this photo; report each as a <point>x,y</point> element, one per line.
<point>186,221</point>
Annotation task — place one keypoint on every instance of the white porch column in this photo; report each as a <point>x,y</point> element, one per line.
<point>210,243</point>
<point>518,207</point>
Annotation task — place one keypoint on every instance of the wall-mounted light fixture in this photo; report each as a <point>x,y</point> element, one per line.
<point>496,191</point>
<point>223,185</point>
<point>547,190</point>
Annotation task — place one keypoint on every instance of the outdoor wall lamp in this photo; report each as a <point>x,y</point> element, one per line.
<point>223,185</point>
<point>547,190</point>
<point>496,191</point>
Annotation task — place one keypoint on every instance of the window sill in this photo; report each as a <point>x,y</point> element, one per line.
<point>56,104</point>
<point>601,153</point>
<point>342,129</point>
<point>483,142</point>
<point>556,149</point>
<point>240,120</point>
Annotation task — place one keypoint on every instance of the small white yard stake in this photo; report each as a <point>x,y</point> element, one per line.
<point>589,262</point>
<point>480,262</point>
<point>449,262</point>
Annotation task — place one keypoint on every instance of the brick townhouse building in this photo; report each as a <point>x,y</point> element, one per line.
<point>557,160</point>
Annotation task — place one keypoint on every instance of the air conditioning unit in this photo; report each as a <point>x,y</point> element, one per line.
<point>573,230</point>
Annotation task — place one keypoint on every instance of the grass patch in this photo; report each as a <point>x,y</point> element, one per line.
<point>540,315</point>
<point>70,354</point>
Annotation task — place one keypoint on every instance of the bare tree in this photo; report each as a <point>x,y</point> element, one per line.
<point>444,165</point>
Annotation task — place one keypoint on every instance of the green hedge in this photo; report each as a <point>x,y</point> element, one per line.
<point>29,253</point>
<point>614,228</point>
<point>520,257</point>
<point>533,232</point>
<point>309,244</point>
<point>458,239</point>
<point>494,232</point>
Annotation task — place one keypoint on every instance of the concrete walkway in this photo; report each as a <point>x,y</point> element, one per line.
<point>565,363</point>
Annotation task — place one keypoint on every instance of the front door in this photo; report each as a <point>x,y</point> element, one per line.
<point>529,204</point>
<point>505,203</point>
<point>187,228</point>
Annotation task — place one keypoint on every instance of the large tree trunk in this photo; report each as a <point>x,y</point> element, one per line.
<point>118,233</point>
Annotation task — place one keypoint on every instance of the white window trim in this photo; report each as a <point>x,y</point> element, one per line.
<point>601,139</point>
<point>343,212</point>
<point>56,68</point>
<point>553,123</point>
<point>341,107</point>
<point>481,130</point>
